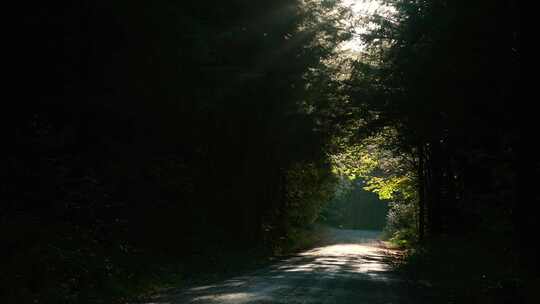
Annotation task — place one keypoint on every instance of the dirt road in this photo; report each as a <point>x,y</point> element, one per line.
<point>350,268</point>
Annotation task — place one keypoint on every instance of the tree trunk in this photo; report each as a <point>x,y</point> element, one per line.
<point>421,194</point>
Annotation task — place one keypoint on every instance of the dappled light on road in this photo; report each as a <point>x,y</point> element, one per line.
<point>235,296</point>
<point>339,259</point>
<point>350,268</point>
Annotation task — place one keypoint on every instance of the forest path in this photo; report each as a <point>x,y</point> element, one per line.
<point>351,266</point>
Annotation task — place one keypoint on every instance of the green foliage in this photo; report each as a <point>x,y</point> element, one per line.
<point>388,188</point>
<point>401,222</point>
<point>308,190</point>
<point>354,161</point>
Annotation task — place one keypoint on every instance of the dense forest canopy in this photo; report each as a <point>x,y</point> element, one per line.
<point>148,128</point>
<point>180,98</point>
<point>160,127</point>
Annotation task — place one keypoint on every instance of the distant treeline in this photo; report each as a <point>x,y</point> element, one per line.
<point>356,208</point>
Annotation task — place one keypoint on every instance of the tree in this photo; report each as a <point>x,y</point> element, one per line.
<point>443,74</point>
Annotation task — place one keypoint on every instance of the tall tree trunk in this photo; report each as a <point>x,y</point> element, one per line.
<point>421,194</point>
<point>434,192</point>
<point>428,188</point>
